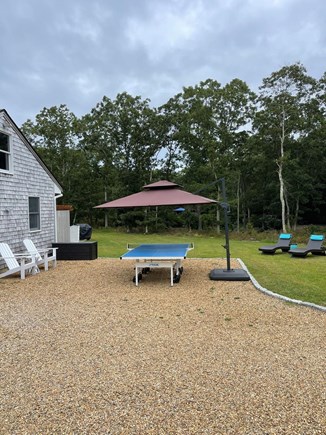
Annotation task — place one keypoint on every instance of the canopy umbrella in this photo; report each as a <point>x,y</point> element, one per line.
<point>166,193</point>
<point>160,193</point>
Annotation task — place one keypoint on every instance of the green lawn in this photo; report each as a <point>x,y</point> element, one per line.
<point>297,278</point>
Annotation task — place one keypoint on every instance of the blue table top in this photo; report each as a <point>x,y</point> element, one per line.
<point>158,251</point>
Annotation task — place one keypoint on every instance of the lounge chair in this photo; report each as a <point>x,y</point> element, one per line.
<point>314,246</point>
<point>16,262</point>
<point>42,256</point>
<point>283,243</point>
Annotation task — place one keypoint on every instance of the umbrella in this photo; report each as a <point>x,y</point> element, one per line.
<point>166,193</point>
<point>160,193</point>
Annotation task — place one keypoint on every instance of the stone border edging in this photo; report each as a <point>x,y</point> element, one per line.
<point>276,295</point>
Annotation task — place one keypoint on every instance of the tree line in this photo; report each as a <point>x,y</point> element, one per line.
<point>268,145</point>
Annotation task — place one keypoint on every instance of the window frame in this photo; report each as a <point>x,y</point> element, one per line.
<point>34,213</point>
<point>8,153</point>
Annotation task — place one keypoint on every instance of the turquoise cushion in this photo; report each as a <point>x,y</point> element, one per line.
<point>317,237</point>
<point>285,236</point>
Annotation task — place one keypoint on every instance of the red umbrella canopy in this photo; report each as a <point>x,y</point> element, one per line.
<point>160,193</point>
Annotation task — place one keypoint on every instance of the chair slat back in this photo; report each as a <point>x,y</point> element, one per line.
<point>284,240</point>
<point>31,248</point>
<point>315,242</point>
<point>8,256</point>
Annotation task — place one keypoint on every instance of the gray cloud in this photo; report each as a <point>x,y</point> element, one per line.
<point>76,52</point>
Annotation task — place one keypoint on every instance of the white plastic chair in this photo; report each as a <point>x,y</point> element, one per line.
<point>16,262</point>
<point>42,256</point>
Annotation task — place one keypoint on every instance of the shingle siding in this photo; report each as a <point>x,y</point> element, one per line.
<point>28,178</point>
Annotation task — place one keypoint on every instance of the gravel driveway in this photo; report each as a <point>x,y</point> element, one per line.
<point>85,351</point>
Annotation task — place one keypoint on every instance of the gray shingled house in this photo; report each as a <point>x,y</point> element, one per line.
<point>28,190</point>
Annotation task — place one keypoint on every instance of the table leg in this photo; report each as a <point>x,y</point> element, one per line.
<point>136,277</point>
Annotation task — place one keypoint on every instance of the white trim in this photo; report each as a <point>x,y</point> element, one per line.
<point>57,196</point>
<point>9,171</point>
<point>33,230</point>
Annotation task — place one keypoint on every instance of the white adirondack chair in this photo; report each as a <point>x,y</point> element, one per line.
<point>42,256</point>
<point>16,262</point>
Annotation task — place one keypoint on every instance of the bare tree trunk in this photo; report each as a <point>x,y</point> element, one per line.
<point>156,217</point>
<point>287,216</point>
<point>280,175</point>
<point>106,223</point>
<point>248,217</point>
<point>296,214</point>
<point>238,205</point>
<point>200,225</point>
<point>146,225</point>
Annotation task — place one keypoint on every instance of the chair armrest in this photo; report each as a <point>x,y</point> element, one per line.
<point>16,256</point>
<point>24,254</point>
<point>45,250</point>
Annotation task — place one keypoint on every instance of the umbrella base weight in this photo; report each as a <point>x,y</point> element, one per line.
<point>229,275</point>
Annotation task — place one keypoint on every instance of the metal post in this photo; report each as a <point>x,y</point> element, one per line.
<point>226,224</point>
<point>227,274</point>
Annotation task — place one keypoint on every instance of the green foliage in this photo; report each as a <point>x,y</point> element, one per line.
<point>285,119</point>
<point>208,131</point>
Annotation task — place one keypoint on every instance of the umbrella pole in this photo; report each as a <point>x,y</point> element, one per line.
<point>227,274</point>
<point>224,205</point>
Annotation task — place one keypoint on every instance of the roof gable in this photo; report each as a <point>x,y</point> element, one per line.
<point>30,147</point>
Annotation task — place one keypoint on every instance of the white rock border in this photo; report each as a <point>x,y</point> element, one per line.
<point>276,295</point>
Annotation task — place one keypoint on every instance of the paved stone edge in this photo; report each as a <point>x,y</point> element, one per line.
<point>276,295</point>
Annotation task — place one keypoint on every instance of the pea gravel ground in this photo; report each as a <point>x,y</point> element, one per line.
<point>85,351</point>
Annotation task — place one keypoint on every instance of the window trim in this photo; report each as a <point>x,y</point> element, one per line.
<point>9,153</point>
<point>38,213</point>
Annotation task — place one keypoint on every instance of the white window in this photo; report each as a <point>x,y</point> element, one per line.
<point>34,213</point>
<point>5,152</point>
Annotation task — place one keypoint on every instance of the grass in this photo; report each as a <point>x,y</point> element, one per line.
<point>297,278</point>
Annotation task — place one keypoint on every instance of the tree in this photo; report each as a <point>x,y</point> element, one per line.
<point>120,135</point>
<point>214,131</point>
<point>283,120</point>
<point>54,134</point>
<point>168,126</point>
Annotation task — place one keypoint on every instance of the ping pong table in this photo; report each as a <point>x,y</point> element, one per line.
<point>163,255</point>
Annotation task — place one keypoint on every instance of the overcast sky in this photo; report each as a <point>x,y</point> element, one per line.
<point>74,52</point>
